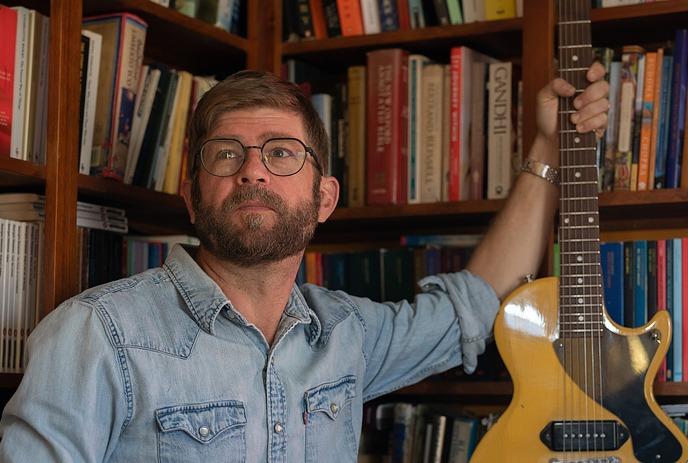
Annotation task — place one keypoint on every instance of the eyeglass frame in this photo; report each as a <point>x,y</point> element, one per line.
<point>246,148</point>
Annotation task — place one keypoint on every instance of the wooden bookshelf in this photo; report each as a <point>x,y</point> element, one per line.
<point>15,173</point>
<point>10,380</point>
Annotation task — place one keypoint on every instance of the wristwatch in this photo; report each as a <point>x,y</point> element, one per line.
<point>542,170</point>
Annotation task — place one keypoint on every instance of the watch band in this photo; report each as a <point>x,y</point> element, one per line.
<point>542,170</point>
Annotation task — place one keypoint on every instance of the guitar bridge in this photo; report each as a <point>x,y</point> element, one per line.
<point>584,436</point>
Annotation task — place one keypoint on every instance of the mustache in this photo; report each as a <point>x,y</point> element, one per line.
<point>252,193</point>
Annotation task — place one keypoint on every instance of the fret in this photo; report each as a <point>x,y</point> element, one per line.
<point>583,330</point>
<point>565,23</point>
<point>568,112</point>
<point>579,264</point>
<point>577,227</point>
<point>582,275</point>
<point>573,69</point>
<point>582,148</point>
<point>580,166</point>
<point>564,253</point>
<point>576,199</point>
<point>568,47</point>
<point>568,131</point>
<point>580,286</point>
<point>580,213</point>
<point>564,183</point>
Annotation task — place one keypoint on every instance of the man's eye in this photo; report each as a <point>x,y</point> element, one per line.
<point>280,153</point>
<point>227,154</point>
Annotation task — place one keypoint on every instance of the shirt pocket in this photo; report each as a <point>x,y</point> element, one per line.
<point>211,431</point>
<point>329,422</point>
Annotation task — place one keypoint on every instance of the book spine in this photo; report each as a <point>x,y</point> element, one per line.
<point>500,9</point>
<point>318,17</point>
<point>657,94</point>
<point>20,83</point>
<point>415,129</point>
<point>637,122</point>
<point>350,17</point>
<point>648,102</point>
<point>664,119</point>
<point>678,109</point>
<point>332,18</point>
<point>611,256</point>
<point>622,165</point>
<point>476,169</point>
<point>678,311</point>
<point>389,16</point>
<point>430,184</point>
<point>305,18</point>
<point>8,34</point>
<point>454,171</point>
<point>499,131</point>
<point>404,15</point>
<point>357,135</point>
<point>661,294</point>
<point>387,127</point>
<point>640,282</point>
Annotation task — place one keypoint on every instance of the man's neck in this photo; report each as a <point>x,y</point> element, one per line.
<point>260,293</point>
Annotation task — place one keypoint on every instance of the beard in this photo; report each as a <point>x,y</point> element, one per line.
<point>251,242</point>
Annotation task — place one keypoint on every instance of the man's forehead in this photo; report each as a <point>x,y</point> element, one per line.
<point>260,122</point>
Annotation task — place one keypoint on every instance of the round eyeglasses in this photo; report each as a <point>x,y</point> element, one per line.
<point>281,156</point>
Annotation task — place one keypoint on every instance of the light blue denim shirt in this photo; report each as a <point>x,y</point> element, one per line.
<point>160,367</point>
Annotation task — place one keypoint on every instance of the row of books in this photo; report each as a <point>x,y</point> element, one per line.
<point>133,116</point>
<point>21,261</point>
<point>645,141</point>
<point>642,277</point>
<point>24,35</point>
<point>387,274</point>
<point>319,19</point>
<point>411,130</point>
<point>400,432</point>
<point>229,15</point>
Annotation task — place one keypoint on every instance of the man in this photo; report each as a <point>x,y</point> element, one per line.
<point>218,356</point>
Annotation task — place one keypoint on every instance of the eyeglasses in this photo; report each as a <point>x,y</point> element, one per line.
<point>281,156</point>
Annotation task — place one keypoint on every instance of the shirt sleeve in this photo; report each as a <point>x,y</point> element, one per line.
<point>449,323</point>
<point>70,405</point>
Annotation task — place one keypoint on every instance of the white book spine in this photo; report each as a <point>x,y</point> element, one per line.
<point>4,278</point>
<point>430,185</point>
<point>224,14</point>
<point>30,93</point>
<point>415,145</point>
<point>499,131</point>
<point>143,115</point>
<point>90,99</point>
<point>371,16</point>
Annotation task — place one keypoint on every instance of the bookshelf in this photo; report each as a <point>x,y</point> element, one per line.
<point>188,43</point>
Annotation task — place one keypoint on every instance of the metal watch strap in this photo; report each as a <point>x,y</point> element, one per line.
<point>542,170</point>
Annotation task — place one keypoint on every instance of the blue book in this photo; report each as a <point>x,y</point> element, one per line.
<point>664,118</point>
<point>389,17</point>
<point>678,312</point>
<point>640,283</point>
<point>678,109</point>
<point>416,14</point>
<point>611,257</point>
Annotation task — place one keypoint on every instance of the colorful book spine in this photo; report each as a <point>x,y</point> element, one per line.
<point>350,17</point>
<point>611,259</point>
<point>648,103</point>
<point>387,95</point>
<point>661,295</point>
<point>629,73</point>
<point>678,311</point>
<point>8,34</point>
<point>664,121</point>
<point>640,283</point>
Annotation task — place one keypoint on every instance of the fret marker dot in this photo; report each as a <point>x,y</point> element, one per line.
<point>580,280</point>
<point>577,175</point>
<point>574,57</point>
<point>580,318</point>
<point>566,220</point>
<point>591,219</point>
<point>580,300</point>
<point>579,258</point>
<point>577,139</point>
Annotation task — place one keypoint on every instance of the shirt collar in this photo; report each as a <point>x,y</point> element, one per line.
<point>205,299</point>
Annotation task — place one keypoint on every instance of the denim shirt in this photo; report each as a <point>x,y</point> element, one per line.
<point>160,367</point>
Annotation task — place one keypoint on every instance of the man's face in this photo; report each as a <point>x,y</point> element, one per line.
<point>254,217</point>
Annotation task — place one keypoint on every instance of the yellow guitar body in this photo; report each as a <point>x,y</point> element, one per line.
<point>526,333</point>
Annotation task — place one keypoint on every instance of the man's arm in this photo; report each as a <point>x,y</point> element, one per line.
<point>515,242</point>
<point>70,405</point>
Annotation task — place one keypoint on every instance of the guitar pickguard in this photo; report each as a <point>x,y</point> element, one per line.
<point>625,360</point>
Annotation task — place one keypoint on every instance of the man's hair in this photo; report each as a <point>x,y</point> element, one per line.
<point>249,90</point>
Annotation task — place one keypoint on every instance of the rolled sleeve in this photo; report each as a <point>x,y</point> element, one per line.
<point>448,323</point>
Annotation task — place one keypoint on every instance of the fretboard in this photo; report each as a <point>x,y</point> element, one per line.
<point>580,290</point>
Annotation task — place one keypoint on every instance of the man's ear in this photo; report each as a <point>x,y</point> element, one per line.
<point>185,191</point>
<point>329,196</point>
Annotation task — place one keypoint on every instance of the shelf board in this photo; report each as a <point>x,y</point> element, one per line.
<point>505,388</point>
<point>498,38</point>
<point>648,23</point>
<point>15,173</point>
<point>654,209</point>
<point>148,211</point>
<point>179,40</point>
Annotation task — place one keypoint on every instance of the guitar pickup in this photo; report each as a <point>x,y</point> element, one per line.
<point>584,436</point>
<point>588,460</point>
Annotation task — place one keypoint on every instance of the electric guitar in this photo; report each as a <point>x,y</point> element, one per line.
<point>582,383</point>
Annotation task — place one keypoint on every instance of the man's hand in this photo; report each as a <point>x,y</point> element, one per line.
<point>591,105</point>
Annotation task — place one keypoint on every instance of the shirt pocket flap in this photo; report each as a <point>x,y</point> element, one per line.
<point>203,421</point>
<point>329,398</point>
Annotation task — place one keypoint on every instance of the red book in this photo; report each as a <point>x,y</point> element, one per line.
<point>350,18</point>
<point>318,18</point>
<point>387,116</point>
<point>404,14</point>
<point>661,295</point>
<point>8,34</point>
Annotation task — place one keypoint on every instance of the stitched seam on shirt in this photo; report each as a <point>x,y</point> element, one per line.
<point>420,375</point>
<point>124,284</point>
<point>476,339</point>
<point>124,367</point>
<point>363,325</point>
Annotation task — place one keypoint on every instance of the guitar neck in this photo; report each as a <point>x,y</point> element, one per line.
<point>580,290</point>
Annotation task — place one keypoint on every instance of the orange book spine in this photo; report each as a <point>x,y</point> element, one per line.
<point>350,18</point>
<point>318,18</point>
<point>655,120</point>
<point>646,121</point>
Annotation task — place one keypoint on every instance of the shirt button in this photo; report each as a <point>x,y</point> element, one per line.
<point>334,408</point>
<point>278,428</point>
<point>204,431</point>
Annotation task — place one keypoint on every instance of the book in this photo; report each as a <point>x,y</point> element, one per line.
<point>124,36</point>
<point>499,129</point>
<point>387,97</point>
<point>371,16</point>
<point>612,262</point>
<point>500,9</point>
<point>430,184</point>
<point>647,119</point>
<point>356,145</point>
<point>350,17</point>
<point>415,126</point>
<point>628,81</point>
<point>664,118</point>
<point>8,34</point>
<point>169,181</point>
<point>90,96</point>
<point>678,109</point>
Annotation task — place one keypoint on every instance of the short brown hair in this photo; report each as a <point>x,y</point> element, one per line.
<point>254,89</point>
